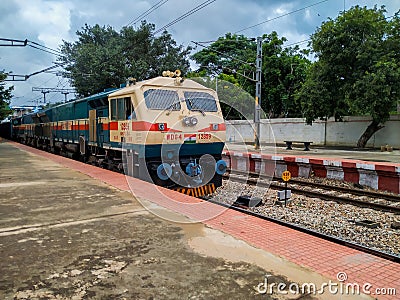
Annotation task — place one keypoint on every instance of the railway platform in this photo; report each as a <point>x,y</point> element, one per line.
<point>82,234</point>
<point>371,168</point>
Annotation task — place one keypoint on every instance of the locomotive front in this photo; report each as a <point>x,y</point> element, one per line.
<point>173,135</point>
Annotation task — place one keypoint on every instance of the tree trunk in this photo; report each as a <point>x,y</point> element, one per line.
<point>368,133</point>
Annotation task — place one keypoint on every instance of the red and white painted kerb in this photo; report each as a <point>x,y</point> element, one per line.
<point>377,175</point>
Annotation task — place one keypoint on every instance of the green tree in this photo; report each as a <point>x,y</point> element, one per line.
<point>146,56</point>
<point>94,61</point>
<point>357,69</point>
<point>283,69</point>
<point>5,96</point>
<point>103,58</point>
<point>235,102</point>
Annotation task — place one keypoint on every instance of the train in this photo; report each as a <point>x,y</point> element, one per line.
<point>168,130</point>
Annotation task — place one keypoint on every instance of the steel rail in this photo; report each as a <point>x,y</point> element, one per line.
<point>356,191</point>
<point>319,195</point>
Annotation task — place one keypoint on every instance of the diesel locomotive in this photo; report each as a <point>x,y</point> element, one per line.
<point>167,130</point>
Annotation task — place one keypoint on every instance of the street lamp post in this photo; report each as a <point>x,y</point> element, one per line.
<point>257,104</point>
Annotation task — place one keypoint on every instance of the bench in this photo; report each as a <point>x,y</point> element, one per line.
<point>306,145</point>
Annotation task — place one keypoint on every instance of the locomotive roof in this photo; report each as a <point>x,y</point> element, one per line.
<point>159,82</point>
<point>100,95</point>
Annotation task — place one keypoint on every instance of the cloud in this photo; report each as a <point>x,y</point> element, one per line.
<point>51,19</point>
<point>49,22</point>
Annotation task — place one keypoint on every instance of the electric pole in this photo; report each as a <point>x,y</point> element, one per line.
<point>13,43</point>
<point>257,105</point>
<point>65,94</point>
<point>44,91</point>
<point>44,95</point>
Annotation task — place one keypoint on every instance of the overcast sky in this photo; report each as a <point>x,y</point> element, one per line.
<point>48,22</point>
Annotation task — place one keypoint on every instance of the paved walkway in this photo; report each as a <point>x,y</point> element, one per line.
<point>318,255</point>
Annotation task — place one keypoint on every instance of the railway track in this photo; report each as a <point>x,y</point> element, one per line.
<point>361,198</point>
<point>253,179</point>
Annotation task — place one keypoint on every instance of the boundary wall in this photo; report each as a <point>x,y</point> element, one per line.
<point>382,176</point>
<point>327,133</point>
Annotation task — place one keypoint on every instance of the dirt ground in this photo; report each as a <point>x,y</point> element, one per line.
<point>64,235</point>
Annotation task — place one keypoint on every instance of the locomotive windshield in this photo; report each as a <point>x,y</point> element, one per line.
<point>162,99</point>
<point>200,101</point>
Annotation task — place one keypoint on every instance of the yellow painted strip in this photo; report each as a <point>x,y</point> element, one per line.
<point>202,190</point>
<point>199,191</point>
<point>212,187</point>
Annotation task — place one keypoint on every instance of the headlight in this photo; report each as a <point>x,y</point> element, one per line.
<point>194,121</point>
<point>190,121</point>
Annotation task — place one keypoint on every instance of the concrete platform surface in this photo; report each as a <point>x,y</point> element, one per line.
<point>86,246</point>
<point>65,235</point>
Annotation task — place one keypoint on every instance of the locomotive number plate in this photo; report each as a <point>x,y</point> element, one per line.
<point>203,137</point>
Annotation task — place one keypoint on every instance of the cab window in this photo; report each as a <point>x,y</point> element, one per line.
<point>121,109</point>
<point>200,101</point>
<point>162,99</point>
<point>113,109</point>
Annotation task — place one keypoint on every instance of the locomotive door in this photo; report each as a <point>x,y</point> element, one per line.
<point>92,126</point>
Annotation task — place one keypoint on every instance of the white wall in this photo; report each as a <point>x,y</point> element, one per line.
<point>329,133</point>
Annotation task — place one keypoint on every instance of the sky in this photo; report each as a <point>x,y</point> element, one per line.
<point>50,22</point>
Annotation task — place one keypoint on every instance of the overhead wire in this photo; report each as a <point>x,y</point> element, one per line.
<point>49,50</point>
<point>185,15</point>
<point>281,16</point>
<point>148,12</point>
<point>252,26</point>
<point>30,92</point>
<point>298,43</point>
<point>43,50</point>
<point>58,52</point>
<point>308,40</point>
<point>226,55</point>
